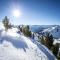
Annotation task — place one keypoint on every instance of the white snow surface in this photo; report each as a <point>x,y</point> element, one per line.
<point>56,41</point>
<point>14,46</point>
<point>1,27</point>
<point>18,47</point>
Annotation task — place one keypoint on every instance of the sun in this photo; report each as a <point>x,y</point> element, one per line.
<point>16,13</point>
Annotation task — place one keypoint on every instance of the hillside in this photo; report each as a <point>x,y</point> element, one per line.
<point>14,46</point>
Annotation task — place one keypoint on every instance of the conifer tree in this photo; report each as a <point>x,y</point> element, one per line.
<point>42,40</point>
<point>55,49</point>
<point>6,23</point>
<point>49,40</point>
<point>26,31</point>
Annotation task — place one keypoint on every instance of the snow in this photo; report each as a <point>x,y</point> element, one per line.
<point>18,48</point>
<point>50,29</point>
<point>56,41</point>
<point>1,27</point>
<point>45,50</point>
<point>12,32</point>
<point>53,31</point>
<point>14,46</point>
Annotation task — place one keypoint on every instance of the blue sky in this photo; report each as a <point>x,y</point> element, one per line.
<point>34,12</point>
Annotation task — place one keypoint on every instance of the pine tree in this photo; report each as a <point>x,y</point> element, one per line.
<point>42,40</point>
<point>6,23</point>
<point>27,27</point>
<point>49,40</point>
<point>26,31</point>
<point>55,49</point>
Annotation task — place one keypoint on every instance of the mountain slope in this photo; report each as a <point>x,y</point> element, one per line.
<point>18,48</point>
<point>14,46</point>
<point>54,30</point>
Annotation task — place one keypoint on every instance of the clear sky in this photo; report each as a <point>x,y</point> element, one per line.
<point>33,12</point>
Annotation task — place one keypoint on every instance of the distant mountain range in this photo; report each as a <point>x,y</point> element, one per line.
<point>53,29</point>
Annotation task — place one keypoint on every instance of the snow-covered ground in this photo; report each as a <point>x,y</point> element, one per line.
<point>19,48</point>
<point>14,46</point>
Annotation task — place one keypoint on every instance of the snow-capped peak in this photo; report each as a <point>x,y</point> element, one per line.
<point>54,30</point>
